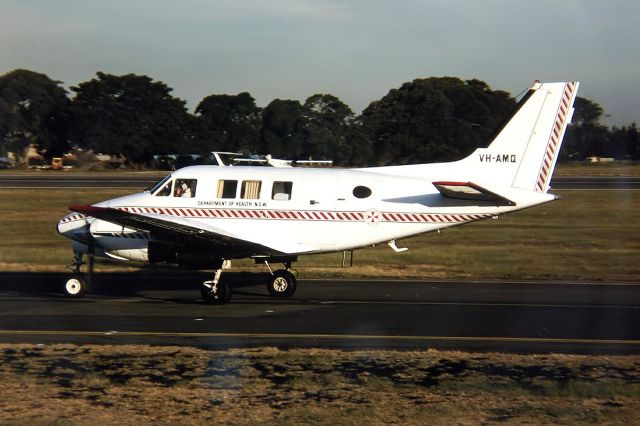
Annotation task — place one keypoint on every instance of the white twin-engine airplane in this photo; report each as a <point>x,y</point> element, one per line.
<point>204,216</point>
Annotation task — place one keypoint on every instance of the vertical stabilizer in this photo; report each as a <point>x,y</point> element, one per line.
<point>524,153</point>
<point>542,150</point>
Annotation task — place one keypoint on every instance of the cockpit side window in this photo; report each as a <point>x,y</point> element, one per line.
<point>165,191</point>
<point>185,188</point>
<point>160,184</point>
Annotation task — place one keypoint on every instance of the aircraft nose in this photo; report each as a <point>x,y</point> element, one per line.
<point>71,224</point>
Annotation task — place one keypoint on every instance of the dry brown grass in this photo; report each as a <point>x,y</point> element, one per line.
<point>143,385</point>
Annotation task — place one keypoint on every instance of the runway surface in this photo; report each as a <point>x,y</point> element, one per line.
<point>165,309</point>
<point>140,182</point>
<point>77,181</point>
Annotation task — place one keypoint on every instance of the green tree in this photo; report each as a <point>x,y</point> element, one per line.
<point>434,119</point>
<point>130,115</point>
<point>230,122</point>
<point>625,142</point>
<point>283,125</point>
<point>586,112</point>
<point>327,129</point>
<point>632,140</point>
<point>33,110</point>
<point>360,145</point>
<point>586,136</point>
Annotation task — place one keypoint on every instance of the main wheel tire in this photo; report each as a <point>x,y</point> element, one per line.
<point>282,283</point>
<point>75,286</point>
<point>219,297</point>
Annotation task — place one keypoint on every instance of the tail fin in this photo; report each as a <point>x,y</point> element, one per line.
<point>525,151</point>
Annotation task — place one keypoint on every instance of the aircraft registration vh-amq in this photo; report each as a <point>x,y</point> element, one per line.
<point>202,217</point>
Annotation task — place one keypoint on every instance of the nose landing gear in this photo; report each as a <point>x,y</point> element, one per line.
<point>76,285</point>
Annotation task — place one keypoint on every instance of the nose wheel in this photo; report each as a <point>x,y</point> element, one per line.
<point>75,286</point>
<point>282,283</point>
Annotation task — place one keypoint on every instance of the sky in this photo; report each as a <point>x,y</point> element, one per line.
<point>356,50</point>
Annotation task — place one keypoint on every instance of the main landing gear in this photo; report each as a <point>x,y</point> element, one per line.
<point>216,291</point>
<point>280,283</point>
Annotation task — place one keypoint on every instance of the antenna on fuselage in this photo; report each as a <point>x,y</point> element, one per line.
<point>218,156</point>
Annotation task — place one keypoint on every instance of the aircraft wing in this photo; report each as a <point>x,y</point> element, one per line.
<point>472,192</point>
<point>178,230</point>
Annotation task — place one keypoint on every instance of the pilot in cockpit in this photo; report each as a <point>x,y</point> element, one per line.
<point>183,191</point>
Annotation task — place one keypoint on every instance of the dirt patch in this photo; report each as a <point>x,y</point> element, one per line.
<point>142,385</point>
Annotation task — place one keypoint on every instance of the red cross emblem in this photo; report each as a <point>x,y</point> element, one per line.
<point>372,217</point>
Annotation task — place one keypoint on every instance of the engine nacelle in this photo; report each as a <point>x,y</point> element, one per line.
<point>120,242</point>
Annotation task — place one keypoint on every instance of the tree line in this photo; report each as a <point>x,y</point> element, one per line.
<point>425,120</point>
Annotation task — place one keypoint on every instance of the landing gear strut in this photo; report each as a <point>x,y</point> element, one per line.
<point>76,285</point>
<point>216,291</point>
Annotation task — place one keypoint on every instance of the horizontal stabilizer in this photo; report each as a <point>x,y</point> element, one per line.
<point>472,192</point>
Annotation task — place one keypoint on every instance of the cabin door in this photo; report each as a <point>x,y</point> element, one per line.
<point>319,201</point>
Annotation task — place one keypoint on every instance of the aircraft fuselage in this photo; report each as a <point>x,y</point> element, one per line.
<point>294,211</point>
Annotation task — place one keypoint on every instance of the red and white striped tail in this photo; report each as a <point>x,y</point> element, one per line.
<point>537,133</point>
<point>524,153</point>
<point>562,119</point>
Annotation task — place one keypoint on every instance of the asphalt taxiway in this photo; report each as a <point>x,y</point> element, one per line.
<point>165,309</point>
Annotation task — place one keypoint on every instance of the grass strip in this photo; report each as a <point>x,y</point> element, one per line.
<point>587,235</point>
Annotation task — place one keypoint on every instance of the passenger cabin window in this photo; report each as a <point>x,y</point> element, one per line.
<point>166,190</point>
<point>250,189</point>
<point>185,188</point>
<point>227,188</point>
<point>281,190</point>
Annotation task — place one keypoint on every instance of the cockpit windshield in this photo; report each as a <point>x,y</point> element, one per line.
<point>153,188</point>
